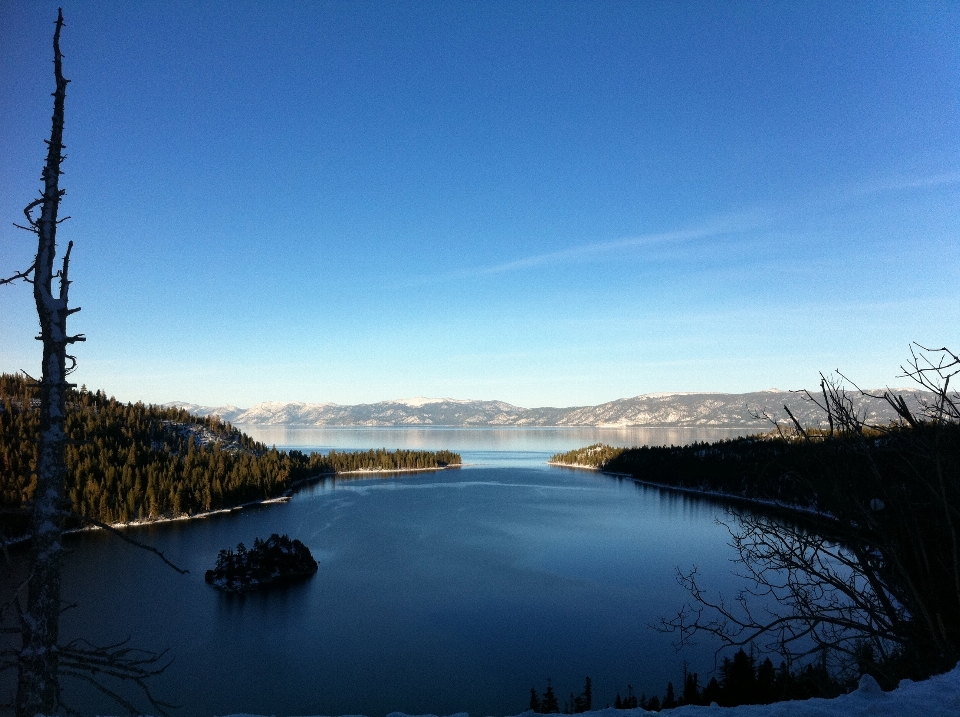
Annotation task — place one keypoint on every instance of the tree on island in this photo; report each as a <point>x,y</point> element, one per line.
<point>276,560</point>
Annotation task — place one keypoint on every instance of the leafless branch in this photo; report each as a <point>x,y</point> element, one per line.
<point>878,561</point>
<point>804,595</point>
<point>796,424</point>
<point>64,281</point>
<point>90,663</point>
<point>20,276</point>
<point>28,210</point>
<point>123,536</point>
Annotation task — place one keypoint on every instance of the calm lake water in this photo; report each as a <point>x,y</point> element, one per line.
<point>437,593</point>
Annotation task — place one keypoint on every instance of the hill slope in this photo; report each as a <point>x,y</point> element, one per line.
<point>131,462</point>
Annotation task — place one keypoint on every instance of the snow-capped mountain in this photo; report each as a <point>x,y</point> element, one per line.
<point>198,410</point>
<point>717,410</point>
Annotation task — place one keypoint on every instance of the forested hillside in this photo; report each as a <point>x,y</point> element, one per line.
<point>133,462</point>
<point>791,470</point>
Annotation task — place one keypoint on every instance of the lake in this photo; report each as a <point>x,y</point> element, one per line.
<point>437,592</point>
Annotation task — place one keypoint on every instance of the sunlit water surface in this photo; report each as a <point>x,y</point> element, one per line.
<point>437,592</point>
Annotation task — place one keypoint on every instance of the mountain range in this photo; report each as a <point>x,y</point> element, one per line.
<point>716,410</point>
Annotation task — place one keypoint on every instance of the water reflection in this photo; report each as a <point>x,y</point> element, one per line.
<point>513,439</point>
<point>437,592</point>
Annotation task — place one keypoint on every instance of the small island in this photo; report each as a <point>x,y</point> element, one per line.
<point>274,561</point>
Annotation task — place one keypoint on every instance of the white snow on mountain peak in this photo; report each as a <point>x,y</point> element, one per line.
<point>420,401</point>
<point>665,394</point>
<point>687,409</point>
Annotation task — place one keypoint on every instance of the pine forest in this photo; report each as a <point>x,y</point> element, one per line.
<point>132,462</point>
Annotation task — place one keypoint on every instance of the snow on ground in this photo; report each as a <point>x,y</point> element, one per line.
<point>937,697</point>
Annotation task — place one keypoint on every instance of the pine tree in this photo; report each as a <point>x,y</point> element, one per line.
<point>669,699</point>
<point>766,677</point>
<point>535,705</point>
<point>691,692</point>
<point>739,679</point>
<point>550,703</point>
<point>712,692</point>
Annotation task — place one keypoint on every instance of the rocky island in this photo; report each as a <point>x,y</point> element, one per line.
<point>274,561</point>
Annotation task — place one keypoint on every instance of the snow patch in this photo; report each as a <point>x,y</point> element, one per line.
<point>937,697</point>
<point>419,401</point>
<point>666,394</point>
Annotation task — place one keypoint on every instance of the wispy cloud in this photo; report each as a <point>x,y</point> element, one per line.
<point>718,227</point>
<point>794,216</point>
<point>898,184</point>
<point>582,251</point>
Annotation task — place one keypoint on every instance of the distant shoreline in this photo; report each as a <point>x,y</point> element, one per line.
<point>496,426</point>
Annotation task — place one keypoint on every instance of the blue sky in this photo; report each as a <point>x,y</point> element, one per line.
<point>556,203</point>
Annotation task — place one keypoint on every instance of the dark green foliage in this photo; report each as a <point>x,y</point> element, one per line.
<point>535,705</point>
<point>133,462</point>
<point>766,686</point>
<point>584,701</point>
<point>129,462</point>
<point>669,699</point>
<point>627,703</point>
<point>691,689</point>
<point>597,456</point>
<point>373,460</point>
<point>790,472</point>
<point>275,560</point>
<point>712,692</point>
<point>549,705</point>
<point>574,705</point>
<point>743,683</point>
<point>739,679</point>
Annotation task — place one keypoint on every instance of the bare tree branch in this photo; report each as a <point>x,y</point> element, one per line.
<point>877,562</point>
<point>123,536</point>
<point>20,275</point>
<point>90,663</point>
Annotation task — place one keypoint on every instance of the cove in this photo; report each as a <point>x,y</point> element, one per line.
<point>437,593</point>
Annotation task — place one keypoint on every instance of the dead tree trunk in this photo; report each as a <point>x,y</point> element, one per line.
<point>40,660</point>
<point>38,683</point>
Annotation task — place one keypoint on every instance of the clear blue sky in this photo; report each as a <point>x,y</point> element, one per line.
<point>556,203</point>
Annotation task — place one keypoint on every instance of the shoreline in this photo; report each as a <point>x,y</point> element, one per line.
<point>283,498</point>
<point>727,497</point>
